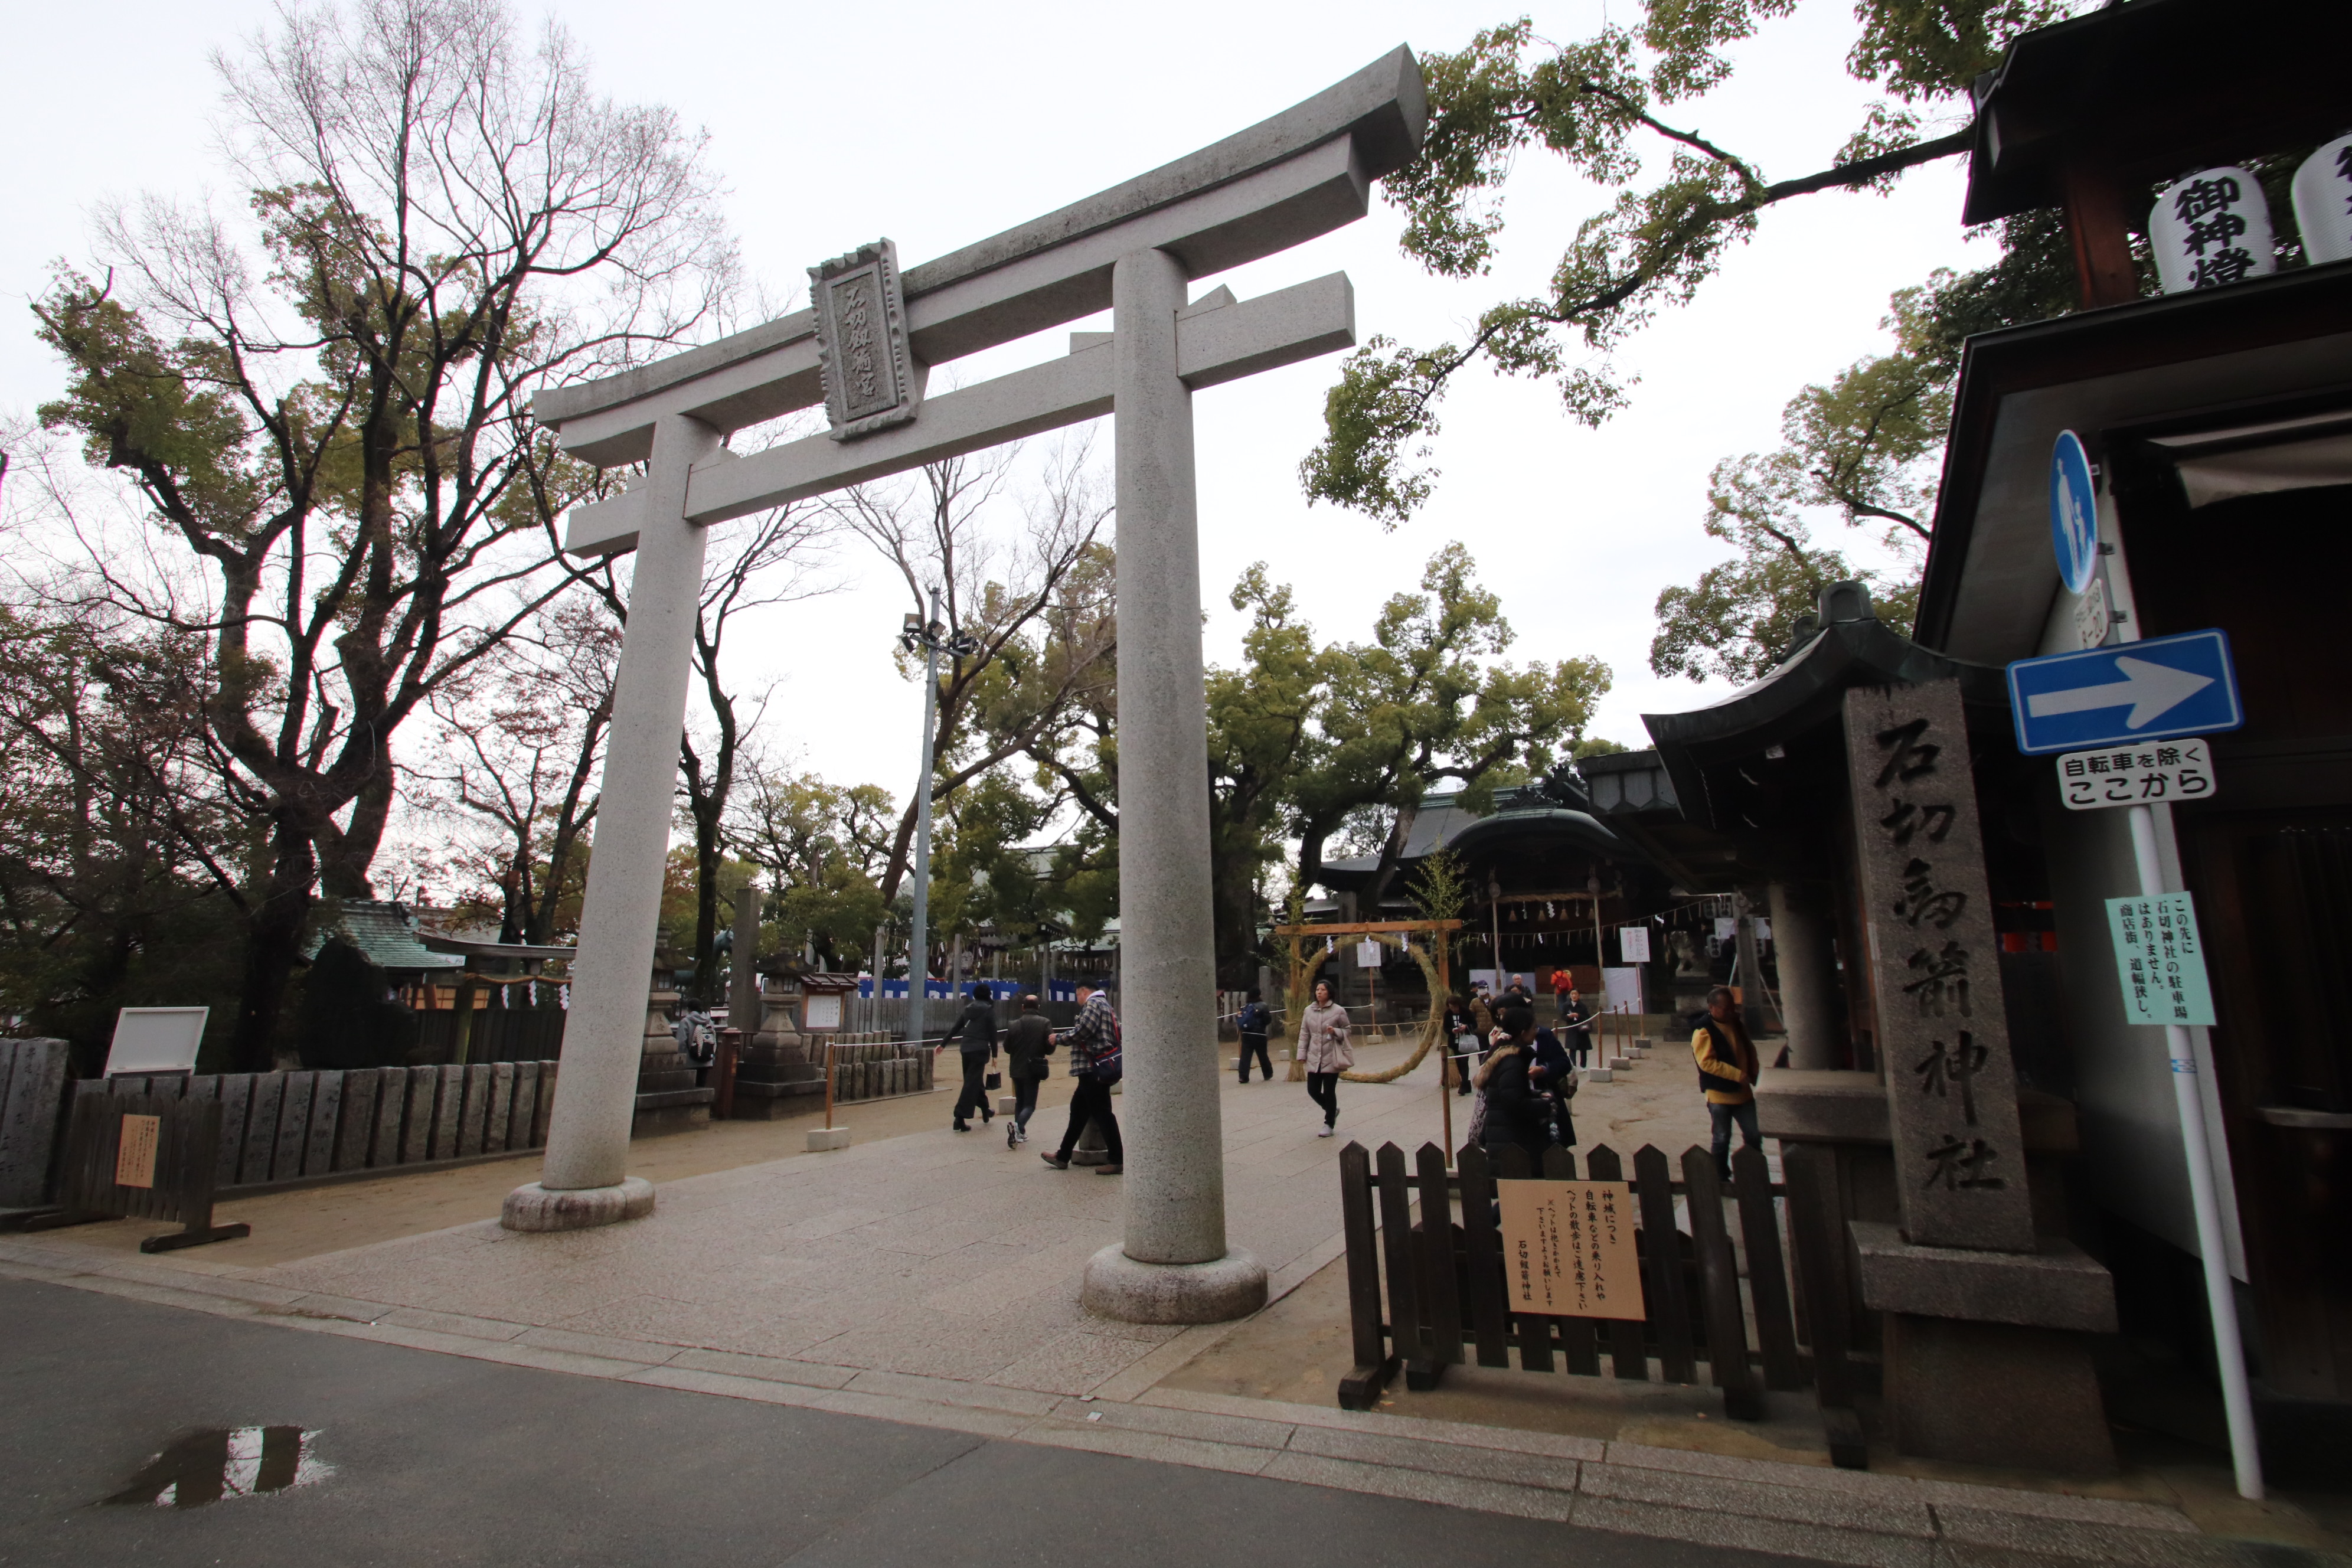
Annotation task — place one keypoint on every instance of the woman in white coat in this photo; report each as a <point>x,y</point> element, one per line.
<point>1323,1046</point>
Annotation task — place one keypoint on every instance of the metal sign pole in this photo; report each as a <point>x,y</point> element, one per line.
<point>2221,1295</point>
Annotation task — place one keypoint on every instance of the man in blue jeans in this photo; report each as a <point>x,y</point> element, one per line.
<point>1091,1038</point>
<point>1728,1071</point>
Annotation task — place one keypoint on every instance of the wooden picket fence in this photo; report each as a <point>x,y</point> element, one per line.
<point>1446,1295</point>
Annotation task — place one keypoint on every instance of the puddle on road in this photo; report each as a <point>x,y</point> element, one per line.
<point>222,1462</point>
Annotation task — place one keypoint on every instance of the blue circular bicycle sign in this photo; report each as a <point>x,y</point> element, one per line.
<point>2073,512</point>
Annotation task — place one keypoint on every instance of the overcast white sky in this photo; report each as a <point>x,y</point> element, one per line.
<point>936,124</point>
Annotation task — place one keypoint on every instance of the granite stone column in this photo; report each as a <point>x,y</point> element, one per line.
<point>1800,944</point>
<point>586,1179</point>
<point>1173,1265</point>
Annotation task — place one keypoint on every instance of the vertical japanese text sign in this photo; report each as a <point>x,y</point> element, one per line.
<point>1951,1090</point>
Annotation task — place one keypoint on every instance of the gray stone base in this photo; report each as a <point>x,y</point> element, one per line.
<point>534,1208</point>
<point>1118,1287</point>
<point>1995,1394</point>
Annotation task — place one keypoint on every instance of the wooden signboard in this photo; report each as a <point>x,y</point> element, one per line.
<point>135,1158</point>
<point>1567,1248</point>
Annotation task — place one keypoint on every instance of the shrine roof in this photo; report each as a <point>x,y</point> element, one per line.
<point>384,934</point>
<point>2151,90</point>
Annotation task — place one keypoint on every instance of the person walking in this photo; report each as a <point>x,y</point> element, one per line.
<point>1027,1042</point>
<point>1728,1071</point>
<point>1553,1073</point>
<point>1513,1111</point>
<point>976,1026</point>
<point>1096,1063</point>
<point>1457,1048</point>
<point>1254,1019</point>
<point>1323,1046</point>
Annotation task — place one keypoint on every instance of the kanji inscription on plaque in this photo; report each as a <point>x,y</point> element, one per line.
<point>1943,1036</point>
<point>1567,1248</point>
<point>134,1156</point>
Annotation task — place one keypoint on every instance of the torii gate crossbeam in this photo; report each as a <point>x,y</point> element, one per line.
<point>1135,248</point>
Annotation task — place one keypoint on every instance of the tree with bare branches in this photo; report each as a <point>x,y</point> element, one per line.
<point>327,423</point>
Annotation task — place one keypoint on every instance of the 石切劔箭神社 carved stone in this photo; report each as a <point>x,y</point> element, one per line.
<point>1951,1090</point>
<point>870,380</point>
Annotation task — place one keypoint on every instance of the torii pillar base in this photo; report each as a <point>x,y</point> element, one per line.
<point>1118,1287</point>
<point>534,1207</point>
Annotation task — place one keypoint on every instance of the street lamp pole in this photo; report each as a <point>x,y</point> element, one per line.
<point>933,639</point>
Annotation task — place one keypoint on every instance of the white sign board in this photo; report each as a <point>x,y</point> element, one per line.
<point>156,1039</point>
<point>820,1010</point>
<point>2135,775</point>
<point>1368,954</point>
<point>1623,988</point>
<point>1633,944</point>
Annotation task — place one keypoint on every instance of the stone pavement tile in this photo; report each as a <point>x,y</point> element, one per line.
<point>771,1369</point>
<point>605,1345</point>
<point>950,1390</point>
<point>1770,1472</point>
<point>2073,1541</point>
<point>1073,1363</point>
<point>1547,1444</point>
<point>320,1305</point>
<point>1100,1438</point>
<point>452,1323</point>
<point>914,1412</point>
<point>516,1354</point>
<point>2122,1511</point>
<point>700,1325</point>
<point>1447,1459</point>
<point>1424,1486</point>
<point>1230,1429</point>
<point>692,1380</point>
<point>1801,1505</point>
<point>256,1292</point>
<point>1711,1529</point>
<point>963,1352</point>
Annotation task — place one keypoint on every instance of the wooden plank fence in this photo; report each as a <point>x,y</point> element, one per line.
<point>282,1127</point>
<point>1427,1289</point>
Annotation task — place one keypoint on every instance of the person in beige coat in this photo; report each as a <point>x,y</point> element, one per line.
<point>1323,1046</point>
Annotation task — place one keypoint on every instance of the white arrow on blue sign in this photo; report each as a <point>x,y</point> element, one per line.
<point>2151,691</point>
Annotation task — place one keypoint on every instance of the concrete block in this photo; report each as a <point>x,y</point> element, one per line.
<point>293,1126</point>
<point>1007,1105</point>
<point>261,1130</point>
<point>1619,1064</point>
<point>821,1139</point>
<point>326,1118</point>
<point>494,1130</point>
<point>2059,1287</point>
<point>32,1100</point>
<point>1599,1075</point>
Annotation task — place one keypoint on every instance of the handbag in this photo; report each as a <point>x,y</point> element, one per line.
<point>994,1080</point>
<point>1110,1067</point>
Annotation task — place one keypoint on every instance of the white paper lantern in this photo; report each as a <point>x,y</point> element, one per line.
<point>2323,202</point>
<point>2211,228</point>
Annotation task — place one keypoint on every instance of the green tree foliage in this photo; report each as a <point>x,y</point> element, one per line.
<point>1863,450</point>
<point>1604,105</point>
<point>1430,700</point>
<point>821,848</point>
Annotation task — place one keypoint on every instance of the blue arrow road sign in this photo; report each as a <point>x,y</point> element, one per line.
<point>2151,691</point>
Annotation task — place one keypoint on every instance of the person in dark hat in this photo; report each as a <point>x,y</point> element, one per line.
<point>1027,1042</point>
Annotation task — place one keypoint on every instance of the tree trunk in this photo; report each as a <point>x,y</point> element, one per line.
<point>273,947</point>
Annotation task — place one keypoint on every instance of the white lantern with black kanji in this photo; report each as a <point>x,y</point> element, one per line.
<point>2211,228</point>
<point>2323,202</point>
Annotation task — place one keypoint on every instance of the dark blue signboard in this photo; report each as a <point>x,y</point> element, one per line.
<point>2151,690</point>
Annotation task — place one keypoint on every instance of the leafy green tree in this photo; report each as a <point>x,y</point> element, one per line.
<point>1601,105</point>
<point>822,847</point>
<point>1863,449</point>
<point>1262,741</point>
<point>330,429</point>
<point>1428,701</point>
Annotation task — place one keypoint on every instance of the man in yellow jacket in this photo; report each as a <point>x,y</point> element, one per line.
<point>1728,1070</point>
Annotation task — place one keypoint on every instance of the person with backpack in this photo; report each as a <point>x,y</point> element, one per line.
<point>1027,1042</point>
<point>1255,1018</point>
<point>1728,1071</point>
<point>1097,1060</point>
<point>1323,1046</point>
<point>977,1025</point>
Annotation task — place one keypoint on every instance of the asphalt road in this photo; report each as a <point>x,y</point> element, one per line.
<point>439,1459</point>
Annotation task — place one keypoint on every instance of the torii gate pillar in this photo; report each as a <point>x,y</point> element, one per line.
<point>1173,1265</point>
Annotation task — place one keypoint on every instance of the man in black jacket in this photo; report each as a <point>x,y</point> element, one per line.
<point>1027,1044</point>
<point>1255,1020</point>
<point>977,1025</point>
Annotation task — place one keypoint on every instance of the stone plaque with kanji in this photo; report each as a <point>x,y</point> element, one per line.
<point>1952,1087</point>
<point>861,333</point>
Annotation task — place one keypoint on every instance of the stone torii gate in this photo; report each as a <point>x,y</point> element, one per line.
<point>864,349</point>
